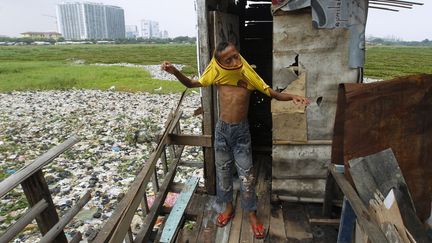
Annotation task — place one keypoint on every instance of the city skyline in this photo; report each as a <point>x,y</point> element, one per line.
<point>179,19</point>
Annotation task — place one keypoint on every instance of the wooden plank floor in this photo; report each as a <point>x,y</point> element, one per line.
<point>284,222</point>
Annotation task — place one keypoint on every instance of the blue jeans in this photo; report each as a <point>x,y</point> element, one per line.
<point>233,147</point>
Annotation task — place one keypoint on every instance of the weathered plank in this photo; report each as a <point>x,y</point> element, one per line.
<point>236,222</point>
<point>174,218</point>
<point>196,208</point>
<point>324,221</point>
<point>381,172</point>
<point>363,217</point>
<point>297,226</point>
<point>386,211</point>
<point>308,142</point>
<point>23,221</point>
<point>36,189</point>
<point>277,225</point>
<point>191,140</point>
<point>52,234</point>
<point>208,227</point>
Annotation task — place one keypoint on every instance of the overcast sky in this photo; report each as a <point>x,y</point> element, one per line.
<point>178,17</point>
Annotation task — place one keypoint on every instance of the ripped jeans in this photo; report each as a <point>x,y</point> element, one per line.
<point>233,147</point>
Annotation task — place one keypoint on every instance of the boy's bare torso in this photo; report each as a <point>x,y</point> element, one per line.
<point>233,103</point>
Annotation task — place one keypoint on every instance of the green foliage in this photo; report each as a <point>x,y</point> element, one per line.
<point>397,42</point>
<point>386,62</point>
<point>138,40</point>
<point>57,67</point>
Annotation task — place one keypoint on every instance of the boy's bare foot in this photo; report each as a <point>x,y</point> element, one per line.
<point>257,226</point>
<point>224,217</point>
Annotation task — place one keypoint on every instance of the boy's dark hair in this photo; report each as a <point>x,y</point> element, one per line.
<point>220,47</point>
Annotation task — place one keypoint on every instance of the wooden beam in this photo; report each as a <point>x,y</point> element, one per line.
<point>176,215</point>
<point>365,221</point>
<point>144,234</point>
<point>35,188</point>
<point>191,140</point>
<point>58,228</point>
<point>309,142</point>
<point>177,187</point>
<point>329,194</point>
<point>15,179</point>
<point>195,164</point>
<point>23,221</point>
<point>208,94</point>
<point>324,221</point>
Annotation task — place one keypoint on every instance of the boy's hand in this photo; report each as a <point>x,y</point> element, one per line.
<point>300,100</point>
<point>168,67</point>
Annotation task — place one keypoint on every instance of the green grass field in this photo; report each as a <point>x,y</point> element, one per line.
<point>53,67</point>
<point>386,62</point>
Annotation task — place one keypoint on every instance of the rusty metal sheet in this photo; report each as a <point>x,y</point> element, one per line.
<point>392,114</point>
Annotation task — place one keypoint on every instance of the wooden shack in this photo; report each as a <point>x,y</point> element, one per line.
<point>291,51</point>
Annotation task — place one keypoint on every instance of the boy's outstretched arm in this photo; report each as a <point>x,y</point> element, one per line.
<point>297,99</point>
<point>190,83</point>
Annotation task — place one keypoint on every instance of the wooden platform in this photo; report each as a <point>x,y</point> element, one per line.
<point>284,222</point>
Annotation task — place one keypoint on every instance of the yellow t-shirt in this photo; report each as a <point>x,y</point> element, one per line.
<point>241,76</point>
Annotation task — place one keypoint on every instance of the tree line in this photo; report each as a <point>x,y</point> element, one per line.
<point>397,42</point>
<point>29,41</point>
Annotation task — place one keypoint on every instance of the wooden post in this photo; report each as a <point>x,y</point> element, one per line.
<point>328,195</point>
<point>164,160</point>
<point>35,188</point>
<point>207,95</point>
<point>155,181</point>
